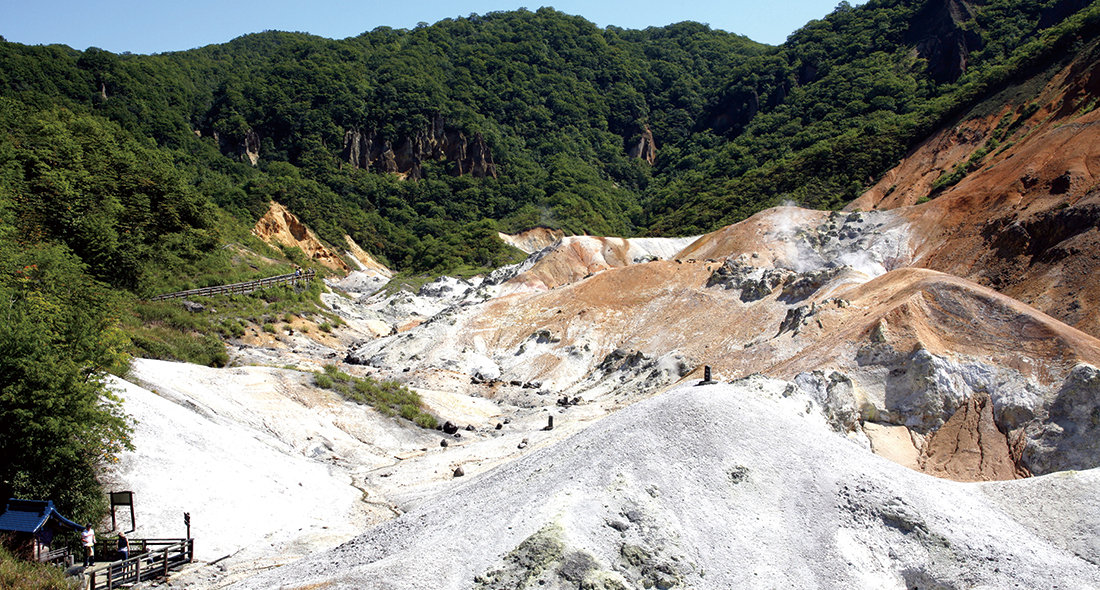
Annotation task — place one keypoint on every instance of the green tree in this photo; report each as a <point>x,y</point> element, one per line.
<point>58,340</point>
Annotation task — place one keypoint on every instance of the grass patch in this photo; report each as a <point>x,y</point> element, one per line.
<point>390,398</point>
<point>406,282</point>
<point>166,330</point>
<point>323,381</point>
<point>16,574</point>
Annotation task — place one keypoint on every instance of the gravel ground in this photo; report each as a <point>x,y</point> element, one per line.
<point>719,486</point>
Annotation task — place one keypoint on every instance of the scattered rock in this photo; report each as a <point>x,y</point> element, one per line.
<point>806,284</point>
<point>796,318</point>
<point>755,283</point>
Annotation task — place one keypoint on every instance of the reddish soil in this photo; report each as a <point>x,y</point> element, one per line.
<point>1025,219</point>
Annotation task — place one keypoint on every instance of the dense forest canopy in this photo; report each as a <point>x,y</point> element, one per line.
<point>564,110</point>
<point>126,175</point>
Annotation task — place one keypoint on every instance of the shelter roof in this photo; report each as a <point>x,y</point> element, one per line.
<point>29,516</point>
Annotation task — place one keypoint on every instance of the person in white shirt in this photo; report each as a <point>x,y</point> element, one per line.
<point>87,538</point>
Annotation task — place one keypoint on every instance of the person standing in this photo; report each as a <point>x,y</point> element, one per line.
<point>87,538</point>
<point>123,546</point>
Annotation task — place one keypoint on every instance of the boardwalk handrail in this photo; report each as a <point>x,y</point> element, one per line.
<point>237,288</point>
<point>62,556</point>
<point>148,565</point>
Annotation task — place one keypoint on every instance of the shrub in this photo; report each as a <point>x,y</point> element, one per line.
<point>427,421</point>
<point>269,328</point>
<point>389,398</point>
<point>409,412</point>
<point>16,574</point>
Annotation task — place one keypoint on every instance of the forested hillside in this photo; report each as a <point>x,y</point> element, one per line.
<point>122,176</point>
<point>516,119</point>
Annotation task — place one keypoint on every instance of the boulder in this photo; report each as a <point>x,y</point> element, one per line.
<point>1069,437</point>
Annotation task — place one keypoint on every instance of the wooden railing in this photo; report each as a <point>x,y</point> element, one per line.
<point>236,288</point>
<point>157,558</point>
<point>62,557</point>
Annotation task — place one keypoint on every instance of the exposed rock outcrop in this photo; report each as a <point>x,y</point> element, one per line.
<point>645,148</point>
<point>940,38</point>
<point>970,447</point>
<point>366,149</point>
<point>534,239</point>
<point>1069,437</point>
<point>280,226</point>
<point>754,283</point>
<point>250,150</point>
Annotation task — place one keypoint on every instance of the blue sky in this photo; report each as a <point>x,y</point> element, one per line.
<point>154,26</point>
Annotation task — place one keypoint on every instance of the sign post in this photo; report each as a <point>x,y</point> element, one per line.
<point>123,499</point>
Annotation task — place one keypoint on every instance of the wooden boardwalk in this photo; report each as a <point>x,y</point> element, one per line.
<point>236,288</point>
<point>154,559</point>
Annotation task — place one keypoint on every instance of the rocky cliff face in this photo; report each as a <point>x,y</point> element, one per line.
<point>367,150</point>
<point>645,148</point>
<point>280,226</point>
<point>248,150</point>
<point>939,37</point>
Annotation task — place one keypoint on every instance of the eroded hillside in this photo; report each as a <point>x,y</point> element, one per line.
<point>827,344</point>
<point>1014,193</point>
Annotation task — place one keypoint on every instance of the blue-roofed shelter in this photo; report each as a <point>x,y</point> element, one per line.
<point>30,526</point>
